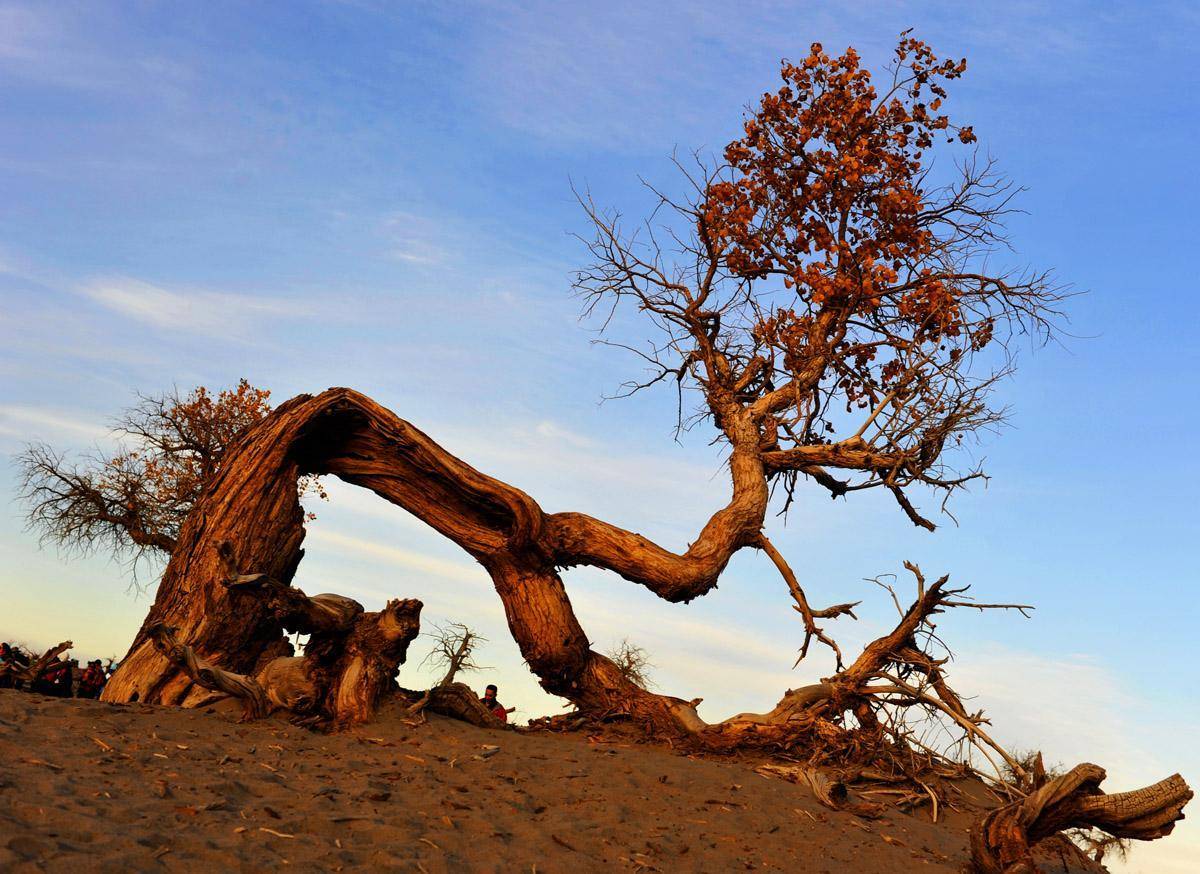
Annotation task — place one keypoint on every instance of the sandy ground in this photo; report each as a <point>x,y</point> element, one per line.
<point>86,786</point>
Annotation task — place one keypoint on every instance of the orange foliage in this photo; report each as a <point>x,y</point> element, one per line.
<point>182,440</point>
<point>826,193</point>
<point>135,501</point>
<point>824,280</point>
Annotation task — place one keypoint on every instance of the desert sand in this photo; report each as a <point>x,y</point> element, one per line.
<point>88,786</point>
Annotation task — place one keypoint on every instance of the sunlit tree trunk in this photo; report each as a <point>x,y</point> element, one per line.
<point>249,522</point>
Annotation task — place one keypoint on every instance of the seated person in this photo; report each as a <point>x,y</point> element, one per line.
<point>489,701</point>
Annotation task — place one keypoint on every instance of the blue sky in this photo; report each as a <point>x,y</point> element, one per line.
<point>379,195</point>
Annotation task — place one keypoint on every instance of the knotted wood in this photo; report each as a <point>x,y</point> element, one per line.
<point>1002,840</point>
<point>348,665</point>
<point>248,526</point>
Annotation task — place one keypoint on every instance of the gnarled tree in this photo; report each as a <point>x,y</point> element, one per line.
<point>826,302</point>
<point>348,665</point>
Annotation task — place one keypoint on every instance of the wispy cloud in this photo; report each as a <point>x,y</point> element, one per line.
<point>462,572</point>
<point>35,423</point>
<point>24,31</point>
<point>193,311</point>
<point>57,45</point>
<point>415,239</point>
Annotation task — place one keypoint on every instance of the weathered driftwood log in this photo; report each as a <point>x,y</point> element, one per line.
<point>349,662</point>
<point>830,791</point>
<point>207,675</point>
<point>1002,840</point>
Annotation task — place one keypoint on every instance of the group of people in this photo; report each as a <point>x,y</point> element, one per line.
<point>63,678</point>
<point>60,677</point>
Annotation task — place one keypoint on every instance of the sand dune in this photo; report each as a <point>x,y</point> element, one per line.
<point>87,786</point>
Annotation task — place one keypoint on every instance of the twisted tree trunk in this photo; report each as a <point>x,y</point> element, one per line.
<point>226,597</point>
<point>249,522</point>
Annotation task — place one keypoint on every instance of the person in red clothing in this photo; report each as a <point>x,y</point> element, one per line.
<point>92,681</point>
<point>491,703</point>
<point>55,680</point>
<point>12,663</point>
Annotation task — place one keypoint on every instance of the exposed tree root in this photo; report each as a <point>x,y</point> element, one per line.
<point>1002,840</point>
<point>893,672</point>
<point>349,663</point>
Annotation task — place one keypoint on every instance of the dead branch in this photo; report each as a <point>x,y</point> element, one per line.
<point>453,650</point>
<point>31,673</point>
<point>828,790</point>
<point>1003,839</point>
<point>208,675</point>
<point>633,662</point>
<point>809,615</point>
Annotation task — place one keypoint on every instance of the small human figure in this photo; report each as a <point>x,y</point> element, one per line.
<point>12,661</point>
<point>55,680</point>
<point>93,680</point>
<point>491,703</point>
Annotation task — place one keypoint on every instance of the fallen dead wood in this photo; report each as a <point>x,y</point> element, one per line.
<point>349,663</point>
<point>1002,840</point>
<point>209,676</point>
<point>459,701</point>
<point>828,790</point>
<point>19,674</point>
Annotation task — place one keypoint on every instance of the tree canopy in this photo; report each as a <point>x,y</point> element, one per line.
<point>826,298</point>
<point>132,501</point>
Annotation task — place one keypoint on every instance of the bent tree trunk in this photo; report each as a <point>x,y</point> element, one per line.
<point>249,522</point>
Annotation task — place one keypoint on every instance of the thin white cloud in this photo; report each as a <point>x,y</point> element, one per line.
<point>415,239</point>
<point>36,423</point>
<point>56,45</point>
<point>22,31</point>
<point>553,431</point>
<point>193,311</point>
<point>457,571</point>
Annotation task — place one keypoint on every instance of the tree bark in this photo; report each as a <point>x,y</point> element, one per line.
<point>1002,840</point>
<point>248,522</point>
<point>348,665</point>
<point>460,701</point>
